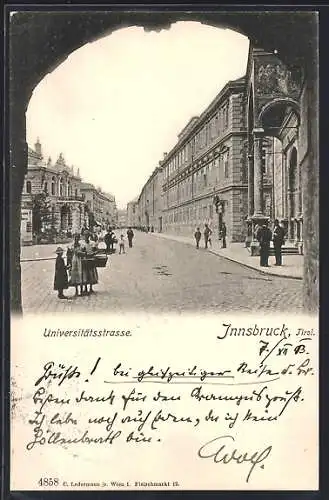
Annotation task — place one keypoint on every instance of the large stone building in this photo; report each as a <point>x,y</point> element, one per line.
<point>66,205</point>
<point>207,163</point>
<point>236,163</point>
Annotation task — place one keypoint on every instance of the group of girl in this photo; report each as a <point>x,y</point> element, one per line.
<point>81,265</point>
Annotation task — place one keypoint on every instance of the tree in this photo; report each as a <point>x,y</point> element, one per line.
<point>41,212</point>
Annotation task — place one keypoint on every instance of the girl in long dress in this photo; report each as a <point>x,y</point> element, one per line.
<point>89,270</point>
<point>74,257</point>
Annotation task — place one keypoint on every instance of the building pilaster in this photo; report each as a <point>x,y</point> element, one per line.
<point>258,174</point>
<point>250,185</point>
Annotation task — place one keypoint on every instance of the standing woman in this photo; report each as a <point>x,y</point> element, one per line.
<point>89,270</point>
<point>74,255</point>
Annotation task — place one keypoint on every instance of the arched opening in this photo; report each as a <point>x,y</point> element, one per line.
<point>280,121</point>
<point>61,186</point>
<point>293,43</point>
<point>53,186</point>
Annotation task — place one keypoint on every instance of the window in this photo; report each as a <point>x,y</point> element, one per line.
<point>60,187</point>
<point>226,165</point>
<point>46,187</point>
<point>225,117</point>
<point>53,185</point>
<point>28,187</point>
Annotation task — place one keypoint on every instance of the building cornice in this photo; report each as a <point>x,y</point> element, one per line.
<point>204,157</point>
<point>226,91</point>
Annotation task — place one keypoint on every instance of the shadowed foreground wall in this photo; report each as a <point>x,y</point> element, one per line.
<point>40,41</point>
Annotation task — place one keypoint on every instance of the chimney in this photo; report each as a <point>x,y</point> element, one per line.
<point>37,147</point>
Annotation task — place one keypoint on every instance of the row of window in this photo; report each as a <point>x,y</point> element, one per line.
<point>212,129</point>
<point>190,215</point>
<point>209,175</point>
<point>61,189</point>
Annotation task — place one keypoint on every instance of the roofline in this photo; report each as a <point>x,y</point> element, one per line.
<point>230,85</point>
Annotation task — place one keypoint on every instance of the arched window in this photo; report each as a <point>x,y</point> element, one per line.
<point>46,187</point>
<point>28,187</point>
<point>53,183</point>
<point>61,185</point>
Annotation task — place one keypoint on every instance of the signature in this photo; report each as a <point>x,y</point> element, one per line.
<point>218,449</point>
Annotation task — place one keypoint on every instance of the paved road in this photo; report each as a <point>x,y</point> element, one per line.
<point>159,275</point>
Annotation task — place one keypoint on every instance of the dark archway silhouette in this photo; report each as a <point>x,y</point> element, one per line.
<point>39,42</point>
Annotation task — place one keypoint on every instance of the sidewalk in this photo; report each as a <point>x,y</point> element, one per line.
<point>293,265</point>
<point>41,252</point>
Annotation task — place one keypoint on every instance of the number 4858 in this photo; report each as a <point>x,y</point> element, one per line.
<point>48,481</point>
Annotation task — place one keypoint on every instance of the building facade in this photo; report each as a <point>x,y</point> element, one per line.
<point>54,199</point>
<point>100,206</point>
<point>236,163</point>
<point>273,120</point>
<point>205,180</point>
<point>150,202</point>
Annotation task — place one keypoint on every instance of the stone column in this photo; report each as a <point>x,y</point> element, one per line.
<point>258,174</point>
<point>284,183</point>
<point>250,185</point>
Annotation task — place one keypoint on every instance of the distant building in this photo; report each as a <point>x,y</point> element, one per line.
<point>100,206</point>
<point>122,218</point>
<point>150,201</point>
<point>133,214</point>
<point>56,200</point>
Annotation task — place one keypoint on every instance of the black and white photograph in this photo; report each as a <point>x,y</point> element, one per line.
<point>164,178</point>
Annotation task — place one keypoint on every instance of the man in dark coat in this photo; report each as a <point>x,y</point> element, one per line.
<point>264,236</point>
<point>61,281</point>
<point>206,233</point>
<point>108,241</point>
<point>130,235</point>
<point>278,240</point>
<point>197,236</point>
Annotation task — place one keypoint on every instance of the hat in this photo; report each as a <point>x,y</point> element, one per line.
<point>59,250</point>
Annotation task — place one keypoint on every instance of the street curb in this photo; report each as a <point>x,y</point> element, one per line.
<point>231,259</point>
<point>264,273</point>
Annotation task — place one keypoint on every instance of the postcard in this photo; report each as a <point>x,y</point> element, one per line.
<point>164,236</point>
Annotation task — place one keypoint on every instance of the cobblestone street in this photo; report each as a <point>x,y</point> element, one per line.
<point>160,275</point>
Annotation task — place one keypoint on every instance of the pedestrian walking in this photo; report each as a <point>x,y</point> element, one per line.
<point>61,278</point>
<point>207,234</point>
<point>122,244</point>
<point>264,236</point>
<point>130,236</point>
<point>278,241</point>
<point>197,236</point>
<point>74,261</point>
<point>223,235</point>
